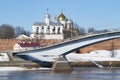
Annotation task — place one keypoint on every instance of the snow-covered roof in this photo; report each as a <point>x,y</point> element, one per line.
<point>22,37</point>
<point>29,44</point>
<point>51,24</point>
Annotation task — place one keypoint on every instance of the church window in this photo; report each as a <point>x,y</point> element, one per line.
<point>58,30</point>
<point>48,30</point>
<point>37,30</point>
<point>54,30</point>
<point>65,26</point>
<point>42,29</point>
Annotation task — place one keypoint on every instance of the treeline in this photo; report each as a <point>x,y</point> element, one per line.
<point>82,31</point>
<point>8,31</point>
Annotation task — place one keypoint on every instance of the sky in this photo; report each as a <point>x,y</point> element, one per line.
<point>100,14</point>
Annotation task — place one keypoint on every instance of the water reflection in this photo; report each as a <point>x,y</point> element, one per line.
<point>77,74</point>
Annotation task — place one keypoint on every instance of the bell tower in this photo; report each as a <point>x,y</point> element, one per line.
<point>47,17</point>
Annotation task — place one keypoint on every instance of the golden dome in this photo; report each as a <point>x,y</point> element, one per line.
<point>61,17</point>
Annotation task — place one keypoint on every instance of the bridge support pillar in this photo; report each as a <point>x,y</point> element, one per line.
<point>61,65</point>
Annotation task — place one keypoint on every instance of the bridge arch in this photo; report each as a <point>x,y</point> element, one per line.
<point>72,45</point>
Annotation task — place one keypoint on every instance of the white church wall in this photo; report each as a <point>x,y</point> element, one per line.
<point>34,29</point>
<point>40,29</point>
<point>48,36</point>
<point>54,36</point>
<point>51,28</point>
<point>55,30</point>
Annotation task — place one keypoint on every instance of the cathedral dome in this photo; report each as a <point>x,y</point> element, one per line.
<point>61,17</point>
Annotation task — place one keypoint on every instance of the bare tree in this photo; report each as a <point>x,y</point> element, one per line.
<point>82,31</point>
<point>20,30</point>
<point>79,30</point>
<point>91,29</point>
<point>6,31</point>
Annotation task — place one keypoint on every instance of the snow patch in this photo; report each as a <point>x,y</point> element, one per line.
<point>97,55</point>
<point>4,57</point>
<point>20,68</point>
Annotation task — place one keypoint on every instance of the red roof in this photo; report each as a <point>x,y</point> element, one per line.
<point>29,44</point>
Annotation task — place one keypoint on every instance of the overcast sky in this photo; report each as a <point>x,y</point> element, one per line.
<point>100,14</point>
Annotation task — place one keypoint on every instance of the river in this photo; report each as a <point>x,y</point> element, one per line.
<point>77,74</point>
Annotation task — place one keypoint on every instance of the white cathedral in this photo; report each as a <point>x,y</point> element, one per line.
<point>52,29</point>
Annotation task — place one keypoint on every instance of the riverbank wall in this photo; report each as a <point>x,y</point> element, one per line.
<point>27,64</point>
<point>97,64</point>
<point>87,64</point>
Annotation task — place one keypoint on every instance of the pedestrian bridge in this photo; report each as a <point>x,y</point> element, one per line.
<point>67,47</point>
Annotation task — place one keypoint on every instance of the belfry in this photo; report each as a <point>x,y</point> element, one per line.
<point>49,29</point>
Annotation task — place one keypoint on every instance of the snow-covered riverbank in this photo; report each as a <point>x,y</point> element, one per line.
<point>93,56</point>
<point>4,57</point>
<point>97,55</point>
<point>21,68</point>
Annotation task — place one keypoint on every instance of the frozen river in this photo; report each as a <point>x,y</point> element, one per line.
<point>77,74</point>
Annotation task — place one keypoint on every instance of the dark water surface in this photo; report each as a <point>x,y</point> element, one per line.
<point>77,74</point>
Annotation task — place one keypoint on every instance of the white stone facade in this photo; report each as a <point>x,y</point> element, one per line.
<point>51,29</point>
<point>48,36</point>
<point>47,29</point>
